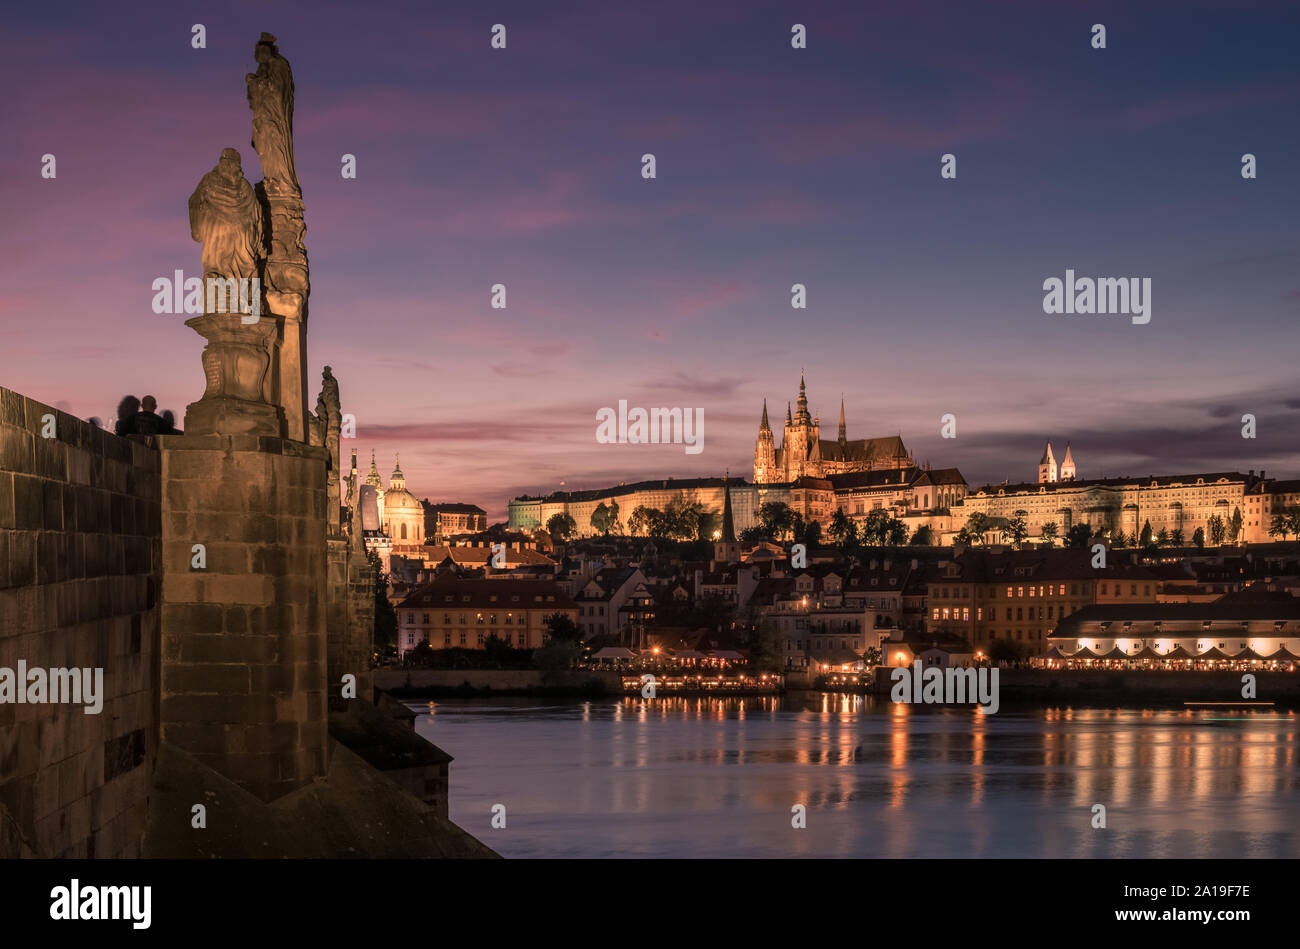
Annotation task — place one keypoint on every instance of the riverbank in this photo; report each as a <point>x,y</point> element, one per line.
<point>1017,687</point>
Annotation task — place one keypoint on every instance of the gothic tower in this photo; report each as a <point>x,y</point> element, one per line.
<point>727,549</point>
<point>765,453</point>
<point>1047,467</point>
<point>1067,466</point>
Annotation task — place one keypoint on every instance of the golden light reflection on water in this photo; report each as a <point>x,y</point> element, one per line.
<point>880,778</point>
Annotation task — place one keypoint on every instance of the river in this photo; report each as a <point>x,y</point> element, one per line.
<point>718,777</point>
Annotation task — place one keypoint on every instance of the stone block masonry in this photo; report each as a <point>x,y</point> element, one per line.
<point>80,518</point>
<point>243,685</point>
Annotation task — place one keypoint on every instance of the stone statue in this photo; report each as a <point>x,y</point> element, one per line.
<point>270,96</point>
<point>288,283</point>
<point>226,219</point>
<point>326,427</point>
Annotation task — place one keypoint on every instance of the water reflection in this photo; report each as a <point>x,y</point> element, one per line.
<point>717,776</point>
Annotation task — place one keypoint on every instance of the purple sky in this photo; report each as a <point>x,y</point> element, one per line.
<point>776,166</point>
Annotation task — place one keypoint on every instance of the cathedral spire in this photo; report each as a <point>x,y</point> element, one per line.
<point>788,419</point>
<point>765,427</point>
<point>1068,472</point>
<point>844,432</point>
<point>372,476</point>
<point>803,400</point>
<point>728,523</point>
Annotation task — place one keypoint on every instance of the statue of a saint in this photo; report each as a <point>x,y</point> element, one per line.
<point>270,96</point>
<point>227,220</point>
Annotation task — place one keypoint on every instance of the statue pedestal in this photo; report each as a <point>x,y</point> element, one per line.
<point>233,417</point>
<point>235,364</point>
<point>244,638</point>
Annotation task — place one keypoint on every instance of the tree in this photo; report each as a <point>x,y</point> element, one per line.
<point>842,530</point>
<point>807,532</point>
<point>1050,532</point>
<point>560,627</point>
<point>1162,538</point>
<point>1198,538</point>
<point>1119,538</point>
<point>1176,537</point>
<point>1217,530</point>
<point>1017,530</point>
<point>1144,539</point>
<point>385,615</point>
<point>556,658</point>
<point>682,518</point>
<point>561,526</point>
<point>895,533</point>
<point>776,517</point>
<point>600,520</point>
<point>765,647</point>
<point>1004,650</point>
<point>639,523</point>
<point>1078,536</point>
<point>1234,526</point>
<point>923,537</point>
<point>1281,524</point>
<point>1293,521</point>
<point>882,529</point>
<point>973,532</point>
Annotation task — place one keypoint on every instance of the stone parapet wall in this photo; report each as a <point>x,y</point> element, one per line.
<point>79,551</point>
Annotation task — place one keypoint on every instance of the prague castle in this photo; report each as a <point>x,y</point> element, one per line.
<point>1244,503</point>
<point>804,452</point>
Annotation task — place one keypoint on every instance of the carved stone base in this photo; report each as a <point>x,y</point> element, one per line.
<point>233,417</point>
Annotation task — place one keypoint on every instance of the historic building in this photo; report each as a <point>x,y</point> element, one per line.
<point>452,611</point>
<point>448,520</point>
<point>804,452</point>
<point>396,522</point>
<point>1021,596</point>
<point>1170,503</point>
<point>1233,630</point>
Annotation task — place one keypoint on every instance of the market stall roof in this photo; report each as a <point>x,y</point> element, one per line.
<point>613,652</point>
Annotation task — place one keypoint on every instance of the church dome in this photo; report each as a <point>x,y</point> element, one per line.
<point>399,500</point>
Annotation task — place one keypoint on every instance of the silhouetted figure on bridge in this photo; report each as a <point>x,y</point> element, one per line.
<point>126,410</point>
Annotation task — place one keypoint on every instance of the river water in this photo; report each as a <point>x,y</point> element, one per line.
<point>718,777</point>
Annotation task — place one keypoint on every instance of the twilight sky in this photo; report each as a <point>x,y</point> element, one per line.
<point>775,166</point>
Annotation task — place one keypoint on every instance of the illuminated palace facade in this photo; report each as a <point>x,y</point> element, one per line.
<point>863,476</point>
<point>1166,502</point>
